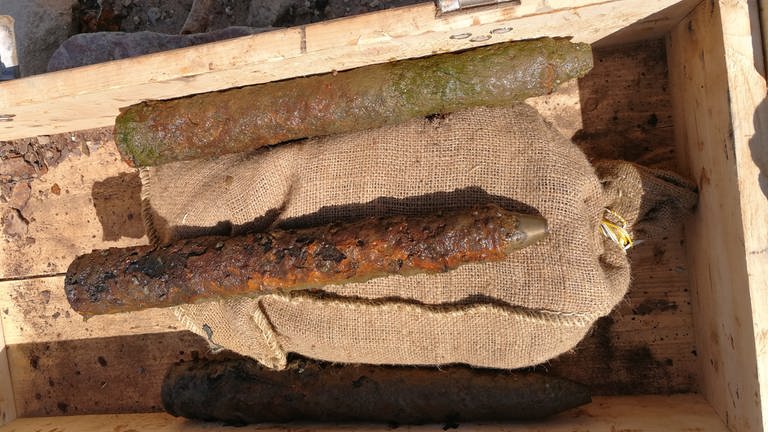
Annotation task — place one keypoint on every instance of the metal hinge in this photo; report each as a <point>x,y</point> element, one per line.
<point>444,6</point>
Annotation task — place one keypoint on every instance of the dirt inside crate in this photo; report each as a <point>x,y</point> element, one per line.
<point>619,110</point>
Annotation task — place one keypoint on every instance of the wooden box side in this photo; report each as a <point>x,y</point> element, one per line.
<point>7,399</point>
<point>91,96</point>
<point>114,363</point>
<point>677,413</point>
<point>718,94</point>
<point>611,414</point>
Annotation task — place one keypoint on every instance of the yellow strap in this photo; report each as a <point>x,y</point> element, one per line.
<point>615,229</point>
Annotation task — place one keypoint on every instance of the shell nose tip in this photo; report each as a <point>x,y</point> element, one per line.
<point>534,227</point>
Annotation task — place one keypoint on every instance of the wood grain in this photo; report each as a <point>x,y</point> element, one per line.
<point>625,106</point>
<point>720,128</point>
<point>91,96</point>
<point>621,109</point>
<point>720,114</point>
<point>100,375</point>
<point>652,27</point>
<point>7,399</point>
<point>645,346</point>
<point>678,413</point>
<point>96,205</point>
<point>37,310</point>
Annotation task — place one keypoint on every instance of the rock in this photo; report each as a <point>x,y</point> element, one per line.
<point>261,13</point>
<point>63,155</point>
<point>31,157</point>
<point>20,195</point>
<point>5,189</point>
<point>22,147</point>
<point>6,149</point>
<point>89,48</point>
<point>41,25</point>
<point>153,14</point>
<point>14,226</point>
<point>17,168</point>
<point>48,155</point>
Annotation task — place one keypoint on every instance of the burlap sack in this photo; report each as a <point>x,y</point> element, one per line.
<point>525,310</point>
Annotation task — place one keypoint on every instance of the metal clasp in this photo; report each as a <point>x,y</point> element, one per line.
<point>444,6</point>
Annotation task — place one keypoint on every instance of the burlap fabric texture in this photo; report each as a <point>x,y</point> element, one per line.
<point>531,307</point>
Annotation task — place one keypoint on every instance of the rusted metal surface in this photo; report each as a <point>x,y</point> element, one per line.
<point>126,279</point>
<point>241,392</point>
<point>211,124</point>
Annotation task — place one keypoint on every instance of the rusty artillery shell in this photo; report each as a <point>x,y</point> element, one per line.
<point>241,392</point>
<point>212,124</point>
<point>127,279</point>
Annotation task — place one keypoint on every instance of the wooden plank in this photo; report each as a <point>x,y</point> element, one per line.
<point>619,110</point>
<point>764,27</point>
<point>678,413</point>
<point>720,111</point>
<point>99,375</point>
<point>90,97</point>
<point>622,110</point>
<point>561,108</point>
<point>654,26</point>
<point>645,346</point>
<point>36,310</point>
<point>626,108</point>
<point>83,203</point>
<point>7,400</point>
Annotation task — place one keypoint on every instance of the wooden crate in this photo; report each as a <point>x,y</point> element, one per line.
<point>693,322</point>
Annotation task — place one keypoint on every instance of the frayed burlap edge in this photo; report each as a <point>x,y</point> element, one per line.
<point>274,346</point>
<point>146,206</point>
<point>279,359</point>
<point>275,357</point>
<point>566,319</point>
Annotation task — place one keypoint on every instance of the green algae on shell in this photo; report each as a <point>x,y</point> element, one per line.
<point>242,119</point>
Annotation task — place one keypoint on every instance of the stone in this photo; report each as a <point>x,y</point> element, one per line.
<point>41,26</point>
<point>90,48</point>
<point>14,226</point>
<point>153,14</point>
<point>20,195</point>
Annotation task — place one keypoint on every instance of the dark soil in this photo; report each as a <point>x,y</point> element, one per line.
<point>168,16</point>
